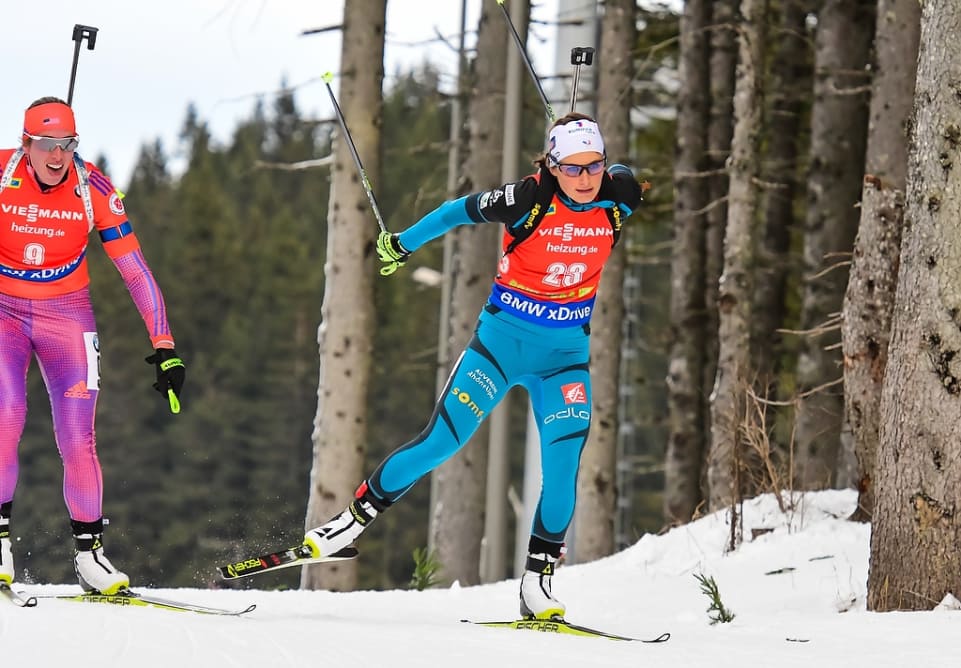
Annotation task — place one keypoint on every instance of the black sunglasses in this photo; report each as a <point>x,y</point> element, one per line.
<point>592,168</point>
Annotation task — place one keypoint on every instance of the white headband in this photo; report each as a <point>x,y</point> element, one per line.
<point>574,137</point>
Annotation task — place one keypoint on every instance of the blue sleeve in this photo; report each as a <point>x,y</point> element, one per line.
<point>436,223</point>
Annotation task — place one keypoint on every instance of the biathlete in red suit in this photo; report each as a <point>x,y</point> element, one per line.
<point>50,202</point>
<point>533,331</point>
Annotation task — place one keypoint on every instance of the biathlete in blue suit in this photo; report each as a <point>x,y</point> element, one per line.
<point>561,225</point>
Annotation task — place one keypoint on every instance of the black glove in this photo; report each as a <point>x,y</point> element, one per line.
<point>170,375</point>
<point>391,252</point>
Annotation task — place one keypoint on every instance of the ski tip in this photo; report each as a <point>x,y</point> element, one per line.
<point>17,598</point>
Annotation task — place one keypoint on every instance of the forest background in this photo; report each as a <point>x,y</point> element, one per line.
<point>238,242</point>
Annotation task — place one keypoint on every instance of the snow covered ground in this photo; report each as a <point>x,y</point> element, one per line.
<point>797,593</point>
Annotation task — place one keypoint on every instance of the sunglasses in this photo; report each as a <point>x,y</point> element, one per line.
<point>573,171</point>
<point>50,143</point>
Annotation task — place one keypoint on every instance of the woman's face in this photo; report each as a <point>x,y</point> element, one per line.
<point>49,159</point>
<point>574,175</point>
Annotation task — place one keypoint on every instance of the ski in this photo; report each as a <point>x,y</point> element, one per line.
<point>565,627</point>
<point>292,556</point>
<point>17,598</point>
<point>136,599</point>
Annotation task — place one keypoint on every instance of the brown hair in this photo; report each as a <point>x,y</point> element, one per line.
<point>45,100</point>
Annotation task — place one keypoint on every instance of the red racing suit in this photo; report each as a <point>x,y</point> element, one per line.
<point>45,310</point>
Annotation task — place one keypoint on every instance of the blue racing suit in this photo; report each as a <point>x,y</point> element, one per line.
<point>533,332</point>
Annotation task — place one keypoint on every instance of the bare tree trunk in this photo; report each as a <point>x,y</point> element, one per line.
<point>685,445</point>
<point>723,40</point>
<point>789,87</point>
<point>838,131</point>
<point>457,523</point>
<point>869,300</point>
<point>916,527</point>
<point>596,493</point>
<point>736,286</point>
<point>347,312</point>
<point>866,328</point>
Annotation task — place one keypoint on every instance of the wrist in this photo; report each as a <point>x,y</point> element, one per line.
<point>164,354</point>
<point>398,245</point>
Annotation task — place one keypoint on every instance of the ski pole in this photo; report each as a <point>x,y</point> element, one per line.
<point>580,55</point>
<point>527,61</point>
<point>328,77</point>
<point>80,32</point>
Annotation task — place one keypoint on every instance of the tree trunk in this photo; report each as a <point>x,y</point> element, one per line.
<point>789,87</point>
<point>866,327</point>
<point>723,40</point>
<point>347,312</point>
<point>916,528</point>
<point>685,445</point>
<point>869,300</point>
<point>838,131</point>
<point>596,492</point>
<point>459,485</point>
<point>736,286</point>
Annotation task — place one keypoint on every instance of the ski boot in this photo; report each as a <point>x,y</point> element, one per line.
<point>537,600</point>
<point>94,570</point>
<point>343,529</point>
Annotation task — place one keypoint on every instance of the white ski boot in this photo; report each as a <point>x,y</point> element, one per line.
<point>343,529</point>
<point>6,552</point>
<point>94,570</point>
<point>537,600</point>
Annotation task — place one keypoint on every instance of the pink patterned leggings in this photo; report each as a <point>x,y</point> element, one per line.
<point>62,333</point>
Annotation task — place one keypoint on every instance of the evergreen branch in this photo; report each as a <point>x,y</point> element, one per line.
<point>719,613</point>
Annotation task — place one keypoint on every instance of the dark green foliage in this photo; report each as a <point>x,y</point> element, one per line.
<point>647,243</point>
<point>239,250</point>
<point>719,614</point>
<point>426,570</point>
<point>402,392</point>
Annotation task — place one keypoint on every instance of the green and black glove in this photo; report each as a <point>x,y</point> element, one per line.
<point>170,375</point>
<point>391,253</point>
